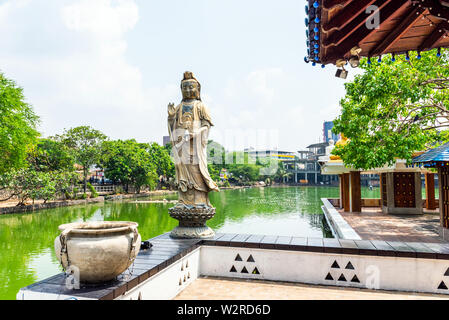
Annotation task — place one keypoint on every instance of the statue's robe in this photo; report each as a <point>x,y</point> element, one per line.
<point>192,176</point>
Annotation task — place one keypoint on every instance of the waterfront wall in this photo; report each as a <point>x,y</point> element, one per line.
<point>49,205</point>
<point>339,227</point>
<point>66,203</point>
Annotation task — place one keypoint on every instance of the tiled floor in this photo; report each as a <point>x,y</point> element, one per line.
<point>230,289</point>
<point>372,224</point>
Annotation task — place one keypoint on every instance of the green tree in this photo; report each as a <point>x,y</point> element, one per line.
<point>394,109</point>
<point>160,157</point>
<point>216,156</point>
<point>31,184</point>
<point>17,126</point>
<point>51,155</point>
<point>128,162</point>
<point>85,143</point>
<point>242,169</point>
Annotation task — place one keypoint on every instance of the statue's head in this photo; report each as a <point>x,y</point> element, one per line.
<point>190,87</point>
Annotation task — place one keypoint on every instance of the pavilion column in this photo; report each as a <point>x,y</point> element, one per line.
<point>344,192</point>
<point>355,192</point>
<point>430,191</point>
<point>443,181</point>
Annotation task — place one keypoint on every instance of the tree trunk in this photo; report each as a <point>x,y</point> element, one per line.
<point>85,179</point>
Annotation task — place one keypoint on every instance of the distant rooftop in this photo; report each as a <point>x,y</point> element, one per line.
<point>317,145</point>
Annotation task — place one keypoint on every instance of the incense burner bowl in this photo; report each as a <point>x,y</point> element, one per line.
<point>95,252</point>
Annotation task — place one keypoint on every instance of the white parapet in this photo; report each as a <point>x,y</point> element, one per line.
<point>359,271</point>
<point>392,273</point>
<point>166,284</point>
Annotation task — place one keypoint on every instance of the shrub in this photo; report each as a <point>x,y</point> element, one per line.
<point>119,190</point>
<point>93,192</point>
<point>75,193</point>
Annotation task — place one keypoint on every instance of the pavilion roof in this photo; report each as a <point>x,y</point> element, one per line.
<point>337,26</point>
<point>439,154</point>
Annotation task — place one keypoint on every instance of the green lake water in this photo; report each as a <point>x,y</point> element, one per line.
<point>26,240</point>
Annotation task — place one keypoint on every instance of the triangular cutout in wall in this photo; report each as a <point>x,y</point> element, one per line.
<point>335,265</point>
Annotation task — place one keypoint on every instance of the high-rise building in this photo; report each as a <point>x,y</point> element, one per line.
<point>327,132</point>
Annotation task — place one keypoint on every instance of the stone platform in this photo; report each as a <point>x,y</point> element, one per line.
<point>372,224</point>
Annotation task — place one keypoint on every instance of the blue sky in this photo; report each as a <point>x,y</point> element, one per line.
<point>115,65</point>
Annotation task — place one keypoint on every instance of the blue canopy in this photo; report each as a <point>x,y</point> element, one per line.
<point>439,154</point>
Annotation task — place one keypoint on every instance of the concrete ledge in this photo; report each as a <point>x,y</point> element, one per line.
<point>340,228</point>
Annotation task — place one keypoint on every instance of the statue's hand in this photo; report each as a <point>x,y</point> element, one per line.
<point>171,108</point>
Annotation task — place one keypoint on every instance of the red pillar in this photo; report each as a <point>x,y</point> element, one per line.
<point>356,193</point>
<point>430,191</point>
<point>443,177</point>
<point>345,192</point>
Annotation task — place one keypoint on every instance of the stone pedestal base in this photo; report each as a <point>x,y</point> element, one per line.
<point>192,221</point>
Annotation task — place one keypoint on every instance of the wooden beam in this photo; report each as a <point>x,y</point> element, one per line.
<point>360,20</point>
<point>363,32</point>
<point>404,25</point>
<point>430,191</point>
<point>437,8</point>
<point>435,36</point>
<point>346,15</point>
<point>330,4</point>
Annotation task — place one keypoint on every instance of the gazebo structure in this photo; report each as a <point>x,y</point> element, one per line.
<point>400,186</point>
<point>439,158</point>
<point>341,31</point>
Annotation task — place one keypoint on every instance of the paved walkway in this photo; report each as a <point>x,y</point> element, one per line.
<point>231,289</point>
<point>372,224</point>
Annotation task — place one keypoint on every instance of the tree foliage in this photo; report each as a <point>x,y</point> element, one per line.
<point>394,109</point>
<point>160,157</point>
<point>51,155</point>
<point>85,143</point>
<point>17,126</point>
<point>31,184</point>
<point>128,162</point>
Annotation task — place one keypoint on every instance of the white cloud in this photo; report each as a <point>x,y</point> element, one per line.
<point>101,18</point>
<point>93,83</point>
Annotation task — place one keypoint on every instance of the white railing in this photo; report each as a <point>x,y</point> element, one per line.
<point>107,188</point>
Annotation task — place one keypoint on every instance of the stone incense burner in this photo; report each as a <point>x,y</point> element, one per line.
<point>97,251</point>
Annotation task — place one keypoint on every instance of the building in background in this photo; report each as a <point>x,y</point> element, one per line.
<point>272,154</point>
<point>327,132</point>
<point>304,169</point>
